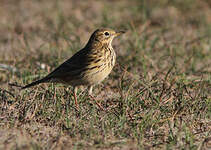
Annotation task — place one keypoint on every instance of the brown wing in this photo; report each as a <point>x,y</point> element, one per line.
<point>69,70</point>
<point>72,67</point>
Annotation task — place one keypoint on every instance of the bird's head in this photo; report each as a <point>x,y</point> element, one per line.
<point>104,36</point>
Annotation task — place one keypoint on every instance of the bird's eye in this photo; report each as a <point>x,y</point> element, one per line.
<point>106,34</point>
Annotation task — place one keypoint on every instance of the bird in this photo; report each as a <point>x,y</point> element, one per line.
<point>87,67</point>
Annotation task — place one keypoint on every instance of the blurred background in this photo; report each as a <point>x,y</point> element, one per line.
<point>157,96</point>
<point>34,32</point>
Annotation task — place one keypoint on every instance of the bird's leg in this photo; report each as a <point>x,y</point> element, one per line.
<point>75,95</point>
<point>90,90</point>
<point>91,97</point>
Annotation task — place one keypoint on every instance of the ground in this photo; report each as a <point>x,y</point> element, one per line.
<point>157,96</point>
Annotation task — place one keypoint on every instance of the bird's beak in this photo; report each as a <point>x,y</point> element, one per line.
<point>119,33</point>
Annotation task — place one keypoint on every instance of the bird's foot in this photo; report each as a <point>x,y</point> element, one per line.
<point>98,104</point>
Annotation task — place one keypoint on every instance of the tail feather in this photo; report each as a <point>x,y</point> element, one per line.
<point>35,83</point>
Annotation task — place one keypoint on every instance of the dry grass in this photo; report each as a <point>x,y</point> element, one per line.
<point>157,97</point>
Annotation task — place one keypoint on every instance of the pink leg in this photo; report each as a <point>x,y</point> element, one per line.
<point>91,97</point>
<point>75,96</point>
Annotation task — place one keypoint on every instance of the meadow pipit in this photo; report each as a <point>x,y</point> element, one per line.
<point>89,66</point>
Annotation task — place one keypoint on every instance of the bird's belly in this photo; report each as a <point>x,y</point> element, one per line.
<point>91,78</point>
<point>98,76</point>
